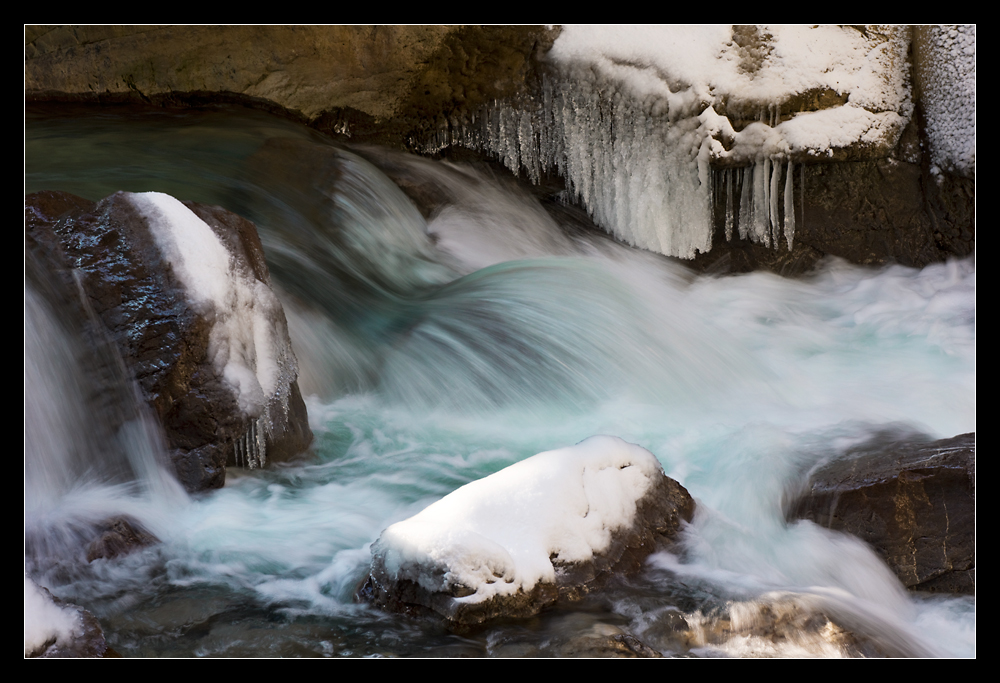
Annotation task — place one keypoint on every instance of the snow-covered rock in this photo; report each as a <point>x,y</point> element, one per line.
<point>53,628</point>
<point>182,292</point>
<point>552,526</point>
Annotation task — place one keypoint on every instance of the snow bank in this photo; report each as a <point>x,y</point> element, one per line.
<point>505,535</point>
<point>751,71</point>
<point>248,343</point>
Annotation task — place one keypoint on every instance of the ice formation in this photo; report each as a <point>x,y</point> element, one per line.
<point>500,534</point>
<point>948,81</point>
<point>248,344</point>
<point>632,118</point>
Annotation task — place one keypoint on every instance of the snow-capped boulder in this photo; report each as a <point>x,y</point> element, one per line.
<point>53,628</point>
<point>182,293</point>
<point>552,526</point>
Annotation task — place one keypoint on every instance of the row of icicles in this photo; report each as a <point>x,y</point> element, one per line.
<point>632,171</point>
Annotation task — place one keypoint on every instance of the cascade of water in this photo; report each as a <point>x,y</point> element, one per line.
<point>92,451</point>
<point>736,384</point>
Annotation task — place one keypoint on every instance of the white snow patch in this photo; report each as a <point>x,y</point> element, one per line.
<point>44,620</point>
<point>708,61</point>
<point>497,534</point>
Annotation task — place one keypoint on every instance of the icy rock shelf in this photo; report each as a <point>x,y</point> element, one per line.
<point>648,124</point>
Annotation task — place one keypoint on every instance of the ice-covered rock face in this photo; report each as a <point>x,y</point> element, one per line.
<point>248,342</point>
<point>183,292</point>
<point>635,117</point>
<point>509,544</point>
<point>946,75</point>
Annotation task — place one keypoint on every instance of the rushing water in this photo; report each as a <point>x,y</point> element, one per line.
<point>435,351</point>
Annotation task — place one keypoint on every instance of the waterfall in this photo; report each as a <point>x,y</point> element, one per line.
<point>92,449</point>
<point>494,330</point>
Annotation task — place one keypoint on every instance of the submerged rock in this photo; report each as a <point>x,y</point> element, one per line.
<point>182,293</point>
<point>914,503</point>
<point>549,528</point>
<point>119,536</point>
<point>773,625</point>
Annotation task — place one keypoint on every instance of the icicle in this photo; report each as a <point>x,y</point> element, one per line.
<point>729,175</point>
<point>248,445</point>
<point>760,227</point>
<point>632,170</point>
<point>261,444</point>
<point>746,202</point>
<point>773,207</point>
<point>789,205</point>
<point>526,138</point>
<point>802,193</point>
<point>766,199</point>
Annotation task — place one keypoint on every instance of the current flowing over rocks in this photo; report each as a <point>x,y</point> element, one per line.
<point>450,321</point>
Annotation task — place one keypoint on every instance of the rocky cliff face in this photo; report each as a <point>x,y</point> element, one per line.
<point>376,83</point>
<point>893,182</point>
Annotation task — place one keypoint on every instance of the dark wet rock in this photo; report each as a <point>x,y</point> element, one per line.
<point>574,635</point>
<point>119,536</point>
<point>104,262</point>
<point>606,641</point>
<point>872,212</point>
<point>912,502</point>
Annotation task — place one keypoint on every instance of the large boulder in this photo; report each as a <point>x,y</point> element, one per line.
<point>183,293</point>
<point>913,502</point>
<point>551,527</point>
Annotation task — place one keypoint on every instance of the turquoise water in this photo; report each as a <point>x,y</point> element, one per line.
<point>436,349</point>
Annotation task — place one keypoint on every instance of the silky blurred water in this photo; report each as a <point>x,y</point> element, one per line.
<point>437,349</point>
